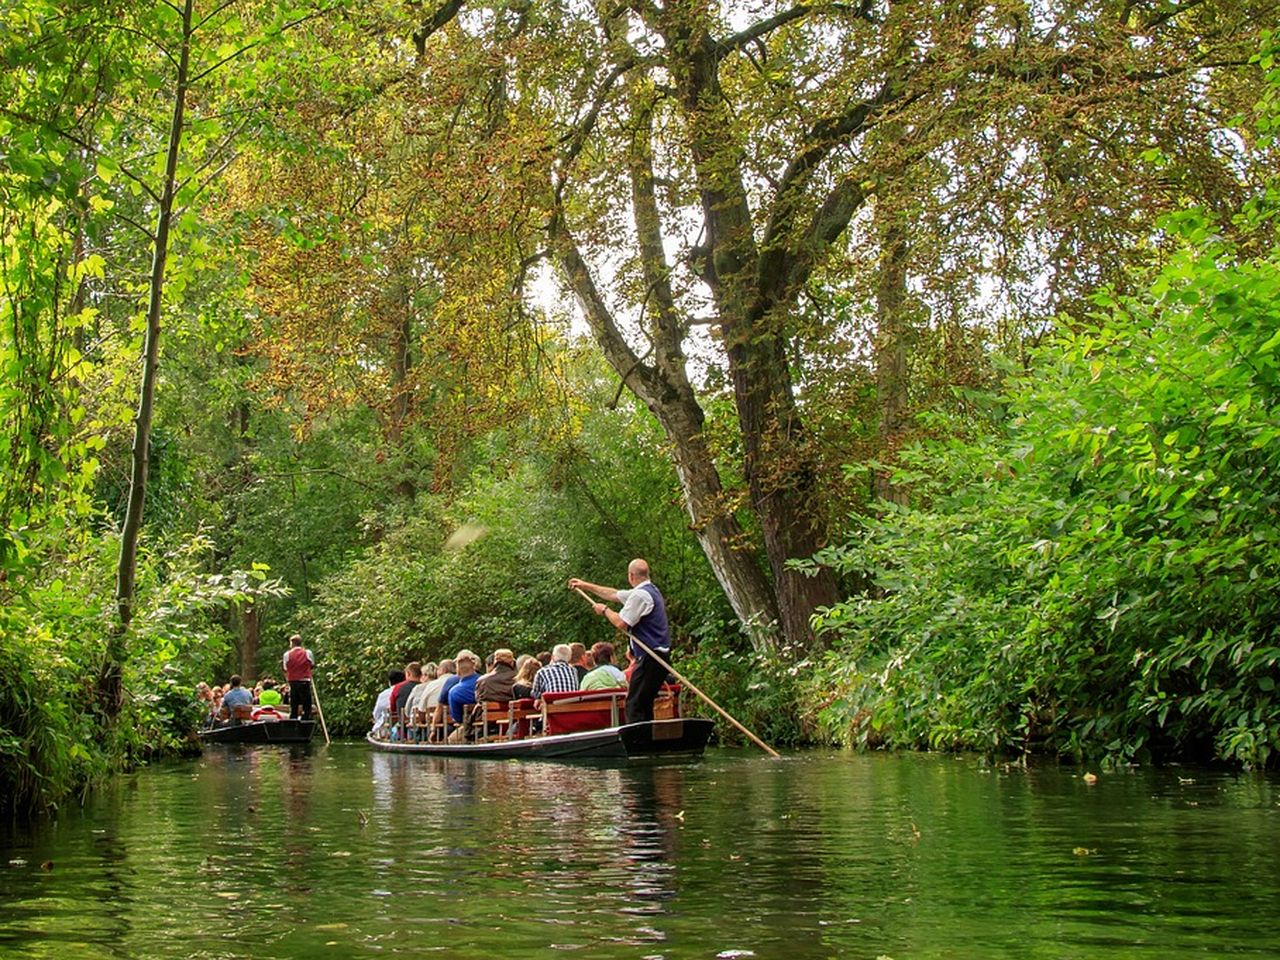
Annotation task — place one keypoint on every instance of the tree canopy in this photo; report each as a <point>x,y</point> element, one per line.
<point>924,348</point>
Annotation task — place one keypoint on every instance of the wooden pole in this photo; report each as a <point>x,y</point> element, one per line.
<point>670,669</point>
<point>315,695</point>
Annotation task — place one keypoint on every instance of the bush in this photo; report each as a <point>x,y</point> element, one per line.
<point>1100,576</point>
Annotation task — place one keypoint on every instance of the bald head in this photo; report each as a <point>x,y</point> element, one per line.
<point>637,571</point>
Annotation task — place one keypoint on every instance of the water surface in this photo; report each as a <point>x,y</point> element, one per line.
<point>340,852</point>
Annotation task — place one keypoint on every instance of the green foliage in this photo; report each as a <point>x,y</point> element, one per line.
<point>761,691</point>
<point>55,626</point>
<point>1101,576</point>
<point>524,524</point>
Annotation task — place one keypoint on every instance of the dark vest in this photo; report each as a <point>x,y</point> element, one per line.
<point>652,629</point>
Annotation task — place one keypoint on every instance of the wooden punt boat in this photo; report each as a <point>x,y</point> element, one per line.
<point>573,725</point>
<point>268,726</point>
<point>686,736</point>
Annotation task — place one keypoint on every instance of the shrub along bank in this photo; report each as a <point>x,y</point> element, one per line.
<point>1100,576</point>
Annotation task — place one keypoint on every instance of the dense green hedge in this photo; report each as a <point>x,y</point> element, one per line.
<point>1100,576</point>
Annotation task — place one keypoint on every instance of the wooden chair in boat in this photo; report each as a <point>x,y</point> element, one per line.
<point>666,705</point>
<point>440,725</point>
<point>492,720</point>
<point>519,713</point>
<point>576,711</point>
<point>419,727</point>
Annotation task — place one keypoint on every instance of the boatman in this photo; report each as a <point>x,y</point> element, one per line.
<point>298,664</point>
<point>643,617</point>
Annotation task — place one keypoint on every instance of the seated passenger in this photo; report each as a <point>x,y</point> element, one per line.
<point>557,676</point>
<point>237,696</point>
<point>382,706</point>
<point>578,660</point>
<point>418,699</point>
<point>462,693</point>
<point>522,686</point>
<point>497,683</point>
<point>447,671</point>
<point>400,696</point>
<point>270,696</point>
<point>605,676</point>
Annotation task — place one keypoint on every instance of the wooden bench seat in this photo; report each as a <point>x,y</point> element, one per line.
<point>577,710</point>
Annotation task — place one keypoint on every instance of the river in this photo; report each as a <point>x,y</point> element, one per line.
<point>340,852</point>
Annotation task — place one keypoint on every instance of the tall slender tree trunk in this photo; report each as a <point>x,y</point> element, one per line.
<point>893,331</point>
<point>401,391</point>
<point>110,679</point>
<point>668,395</point>
<point>250,634</point>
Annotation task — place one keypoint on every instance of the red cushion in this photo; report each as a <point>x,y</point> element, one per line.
<point>577,722</point>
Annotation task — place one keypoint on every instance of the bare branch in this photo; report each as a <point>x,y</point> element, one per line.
<point>577,137</point>
<point>437,21</point>
<point>260,41</point>
<point>150,39</point>
<point>216,152</point>
<point>206,181</point>
<point>144,230</point>
<point>823,137</point>
<point>761,29</point>
<point>224,61</point>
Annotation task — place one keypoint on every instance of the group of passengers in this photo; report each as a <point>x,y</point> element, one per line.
<point>420,697</point>
<point>235,703</point>
<point>219,702</point>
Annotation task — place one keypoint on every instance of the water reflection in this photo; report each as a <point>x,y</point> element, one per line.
<point>343,852</point>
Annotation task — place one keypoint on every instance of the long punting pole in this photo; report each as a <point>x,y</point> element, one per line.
<point>670,669</point>
<point>315,695</point>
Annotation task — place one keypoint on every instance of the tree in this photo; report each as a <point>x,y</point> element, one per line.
<point>738,162</point>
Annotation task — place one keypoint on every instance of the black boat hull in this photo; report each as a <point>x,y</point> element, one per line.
<point>661,738</point>
<point>262,731</point>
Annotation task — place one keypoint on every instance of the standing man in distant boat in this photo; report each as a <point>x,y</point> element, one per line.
<point>643,617</point>
<point>298,664</point>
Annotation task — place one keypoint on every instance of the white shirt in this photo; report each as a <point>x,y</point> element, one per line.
<point>431,698</point>
<point>382,707</point>
<point>636,604</point>
<point>418,697</point>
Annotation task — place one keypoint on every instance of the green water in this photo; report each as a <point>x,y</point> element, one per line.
<point>339,852</point>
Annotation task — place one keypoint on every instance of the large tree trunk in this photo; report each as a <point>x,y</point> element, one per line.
<point>722,538</point>
<point>754,288</point>
<point>783,482</point>
<point>110,680</point>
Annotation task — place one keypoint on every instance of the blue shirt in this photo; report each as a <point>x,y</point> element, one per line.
<point>460,694</point>
<point>446,687</point>
<point>236,696</point>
